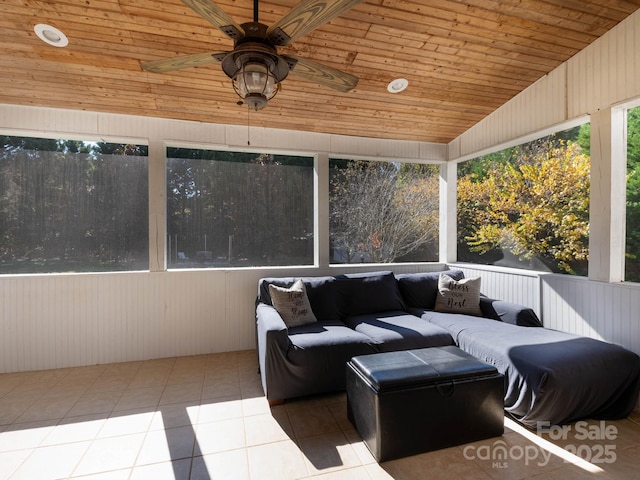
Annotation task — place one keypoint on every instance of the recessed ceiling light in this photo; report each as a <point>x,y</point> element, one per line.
<point>51,35</point>
<point>397,85</point>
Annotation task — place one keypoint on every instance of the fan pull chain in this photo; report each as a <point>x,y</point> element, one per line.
<point>248,126</point>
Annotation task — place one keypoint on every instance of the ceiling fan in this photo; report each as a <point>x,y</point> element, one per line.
<point>254,65</point>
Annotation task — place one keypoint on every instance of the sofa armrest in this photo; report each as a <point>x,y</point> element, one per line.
<point>269,324</point>
<point>272,338</point>
<point>509,312</point>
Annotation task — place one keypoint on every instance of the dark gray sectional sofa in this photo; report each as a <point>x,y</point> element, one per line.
<point>550,376</point>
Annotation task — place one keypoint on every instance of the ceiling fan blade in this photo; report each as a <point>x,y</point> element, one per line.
<point>306,17</point>
<point>216,16</point>
<point>177,63</point>
<point>322,74</point>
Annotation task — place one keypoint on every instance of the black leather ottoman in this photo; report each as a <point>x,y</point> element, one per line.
<point>409,402</point>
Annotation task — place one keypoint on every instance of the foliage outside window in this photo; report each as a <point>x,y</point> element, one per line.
<point>528,206</point>
<point>235,209</point>
<point>632,260</point>
<point>383,212</point>
<point>71,206</point>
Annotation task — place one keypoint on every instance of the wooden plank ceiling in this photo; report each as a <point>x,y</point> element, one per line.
<point>463,59</point>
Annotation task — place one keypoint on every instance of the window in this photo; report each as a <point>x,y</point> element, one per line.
<point>383,212</point>
<point>632,260</point>
<point>72,206</point>
<point>234,209</point>
<point>528,206</point>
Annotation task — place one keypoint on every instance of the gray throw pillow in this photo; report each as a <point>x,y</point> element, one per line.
<point>458,296</point>
<point>292,304</point>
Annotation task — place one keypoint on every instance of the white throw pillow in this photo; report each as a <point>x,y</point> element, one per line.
<point>292,304</point>
<point>458,296</point>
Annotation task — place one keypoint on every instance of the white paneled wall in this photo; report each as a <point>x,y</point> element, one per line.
<point>536,108</point>
<point>52,122</point>
<point>53,321</point>
<point>601,310</point>
<point>607,72</point>
<point>517,286</point>
<point>65,320</point>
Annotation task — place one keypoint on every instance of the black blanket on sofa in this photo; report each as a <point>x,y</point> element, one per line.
<point>550,375</point>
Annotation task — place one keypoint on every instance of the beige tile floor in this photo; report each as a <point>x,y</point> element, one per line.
<point>205,417</point>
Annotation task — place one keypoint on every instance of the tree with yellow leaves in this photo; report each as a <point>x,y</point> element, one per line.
<point>534,204</point>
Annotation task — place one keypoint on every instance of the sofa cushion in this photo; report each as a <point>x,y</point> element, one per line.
<point>315,360</point>
<point>331,342</point>
<point>399,330</point>
<point>320,292</point>
<point>292,304</point>
<point>419,290</point>
<point>458,296</point>
<point>324,334</point>
<point>360,294</point>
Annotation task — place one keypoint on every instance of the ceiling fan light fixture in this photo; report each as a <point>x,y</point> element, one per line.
<point>255,84</point>
<point>255,75</point>
<point>51,35</point>
<point>398,85</point>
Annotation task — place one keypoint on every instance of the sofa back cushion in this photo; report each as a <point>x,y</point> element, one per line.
<point>320,293</point>
<point>419,290</point>
<point>372,292</point>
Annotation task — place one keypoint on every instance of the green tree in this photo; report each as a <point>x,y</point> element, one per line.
<point>632,260</point>
<point>584,138</point>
